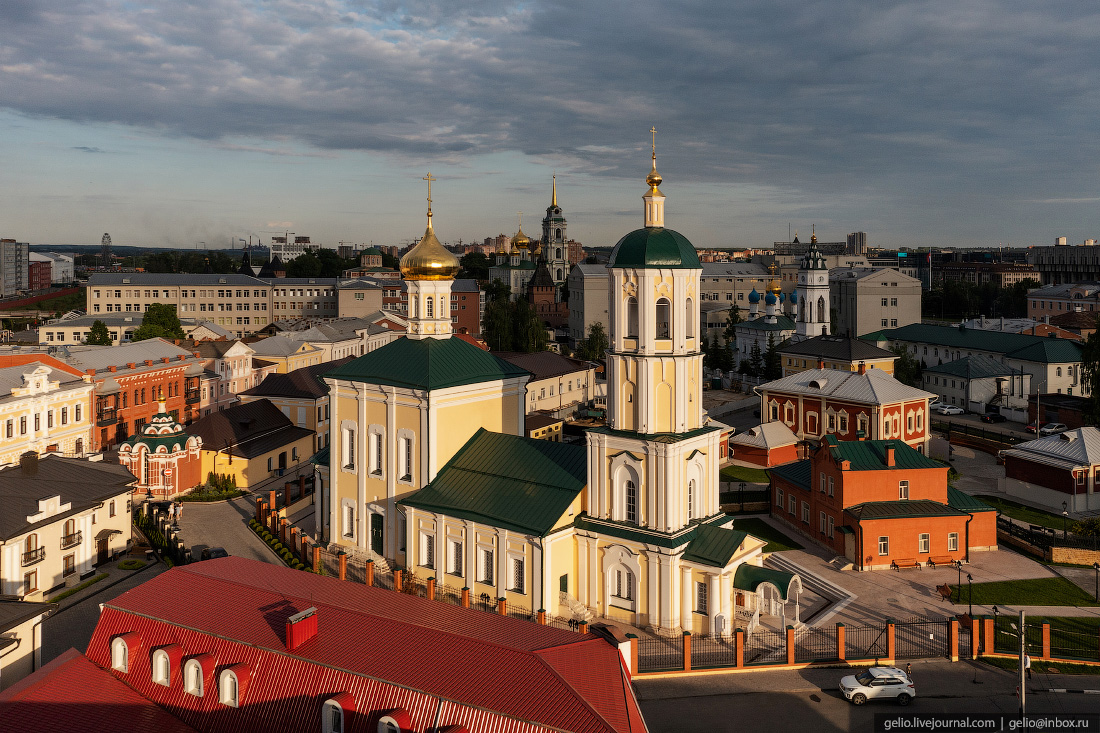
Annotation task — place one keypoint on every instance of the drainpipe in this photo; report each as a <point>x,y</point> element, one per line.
<point>971,517</point>
<point>860,524</point>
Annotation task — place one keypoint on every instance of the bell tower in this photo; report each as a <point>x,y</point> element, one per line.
<point>813,294</point>
<point>429,269</point>
<point>554,248</point>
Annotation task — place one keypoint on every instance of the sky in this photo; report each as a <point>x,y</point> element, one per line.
<point>199,123</point>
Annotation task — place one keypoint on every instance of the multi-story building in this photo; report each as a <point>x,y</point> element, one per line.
<point>301,395</point>
<point>978,384</point>
<point>21,630</point>
<point>61,518</point>
<point>879,503</point>
<point>867,404</point>
<point>999,274</point>
<point>287,354</point>
<point>236,368</point>
<point>729,283</point>
<point>75,330</point>
<point>834,352</point>
<point>288,246</point>
<point>1062,264</point>
<point>1054,364</point>
<point>359,297</point>
<point>864,300</point>
<point>587,301</point>
<point>61,266</point>
<point>39,275</point>
<point>559,385</point>
<point>1057,300</point>
<point>14,271</point>
<point>45,408</point>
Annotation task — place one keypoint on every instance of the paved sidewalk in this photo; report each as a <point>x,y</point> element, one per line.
<point>224,524</point>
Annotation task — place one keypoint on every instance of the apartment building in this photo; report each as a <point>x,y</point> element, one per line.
<point>61,266</point>
<point>1056,300</point>
<point>729,283</point>
<point>14,267</point>
<point>72,331</point>
<point>44,408</point>
<point>235,367</point>
<point>1063,264</point>
<point>863,300</point>
<point>587,301</point>
<point>301,395</point>
<point>559,385</point>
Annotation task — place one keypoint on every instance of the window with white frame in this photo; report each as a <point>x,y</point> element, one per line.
<point>162,668</point>
<point>192,677</point>
<point>952,541</point>
<point>631,502</point>
<point>883,546</point>
<point>805,513</point>
<point>791,505</point>
<point>456,558</point>
<point>622,584</point>
<point>376,453</point>
<point>821,481</point>
<point>922,542</point>
<point>691,499</point>
<point>821,522</point>
<point>903,490</point>
<point>406,458</point>
<point>348,445</point>
<point>427,550</point>
<point>779,498</point>
<point>518,578</point>
<point>228,689</point>
<point>832,486</point>
<point>843,423</point>
<point>700,597</point>
<point>485,566</point>
<point>832,526</point>
<point>332,717</point>
<point>120,655</point>
<point>348,519</point>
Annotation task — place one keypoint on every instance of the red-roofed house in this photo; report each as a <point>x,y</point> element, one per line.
<point>234,644</point>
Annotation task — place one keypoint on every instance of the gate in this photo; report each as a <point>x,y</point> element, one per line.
<point>922,638</point>
<point>660,653</point>
<point>764,646</point>
<point>713,651</point>
<point>1006,636</point>
<point>815,645</point>
<point>864,642</point>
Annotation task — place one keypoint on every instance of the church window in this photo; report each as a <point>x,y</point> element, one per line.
<point>631,505</point>
<point>349,520</point>
<point>486,574</point>
<point>622,584</point>
<point>349,448</point>
<point>632,318</point>
<point>407,459</point>
<point>518,576</point>
<point>821,310</point>
<point>691,499</point>
<point>430,310</point>
<point>700,597</point>
<point>376,454</point>
<point>689,318</point>
<point>663,316</point>
<point>456,558</point>
<point>427,551</point>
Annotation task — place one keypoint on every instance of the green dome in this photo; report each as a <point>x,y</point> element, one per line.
<point>655,247</point>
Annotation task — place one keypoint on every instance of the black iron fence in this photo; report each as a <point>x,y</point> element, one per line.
<point>766,647</point>
<point>864,642</point>
<point>710,651</point>
<point>815,645</point>
<point>976,431</point>
<point>1045,537</point>
<point>922,638</point>
<point>660,654</point>
<point>1066,644</point>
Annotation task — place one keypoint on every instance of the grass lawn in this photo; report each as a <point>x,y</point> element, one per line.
<point>60,304</point>
<point>1024,513</point>
<point>777,541</point>
<point>1033,592</point>
<point>1041,666</point>
<point>744,473</point>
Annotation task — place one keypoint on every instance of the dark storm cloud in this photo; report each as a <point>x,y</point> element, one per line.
<point>910,100</point>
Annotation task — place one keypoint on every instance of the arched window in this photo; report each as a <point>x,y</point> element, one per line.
<point>120,655</point>
<point>192,677</point>
<point>412,305</point>
<point>430,312</point>
<point>1058,371</point>
<point>689,318</point>
<point>394,721</point>
<point>631,503</point>
<point>821,310</point>
<point>632,318</point>
<point>664,329</point>
<point>164,660</point>
<point>229,688</point>
<point>336,713</point>
<point>691,499</point>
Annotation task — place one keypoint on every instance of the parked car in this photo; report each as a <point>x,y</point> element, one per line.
<point>994,417</point>
<point>949,410</point>
<point>878,682</point>
<point>1032,428</point>
<point>212,552</point>
<point>1051,428</point>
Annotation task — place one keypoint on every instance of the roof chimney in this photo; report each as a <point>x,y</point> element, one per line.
<point>28,463</point>
<point>820,363</point>
<point>890,454</point>
<point>300,628</point>
<point>863,367</point>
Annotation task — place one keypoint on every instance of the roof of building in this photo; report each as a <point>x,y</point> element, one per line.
<point>427,363</point>
<point>217,349</point>
<point>306,383</point>
<point>585,269</point>
<point>750,577</point>
<point>102,358</point>
<point>535,421</point>
<point>768,435</point>
<point>870,455</point>
<point>167,278</point>
<point>1087,289</point>
<point>542,278</point>
<point>797,473</point>
<point>973,367</point>
<point>733,269</point>
<point>1070,449</point>
<point>841,274</point>
<point>83,484</point>
<point>655,247</point>
<point>836,348</point>
<point>965,502</point>
<point>1041,349</point>
<point>247,429</point>
<point>22,358</point>
<point>12,377</point>
<point>902,509</point>
<point>72,693</point>
<point>714,546</point>
<point>13,613</point>
<point>1079,320</point>
<point>873,387</point>
<point>441,663</point>
<point>280,345</point>
<point>762,323</point>
<point>507,481</point>
<point>544,364</point>
<point>162,431</point>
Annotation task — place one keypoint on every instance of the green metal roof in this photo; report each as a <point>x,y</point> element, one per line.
<point>902,509</point>
<point>782,323</point>
<point>965,502</point>
<point>321,457</point>
<point>749,577</point>
<point>655,247</point>
<point>1042,349</point>
<point>623,530</point>
<point>507,481</point>
<point>714,546</point>
<point>171,443</point>
<point>870,455</point>
<point>973,367</point>
<point>427,364</point>
<point>797,473</point>
<point>655,437</point>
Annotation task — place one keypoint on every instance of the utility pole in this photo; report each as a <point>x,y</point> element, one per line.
<point>1023,672</point>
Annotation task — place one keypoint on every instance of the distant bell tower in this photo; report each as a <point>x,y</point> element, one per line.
<point>554,248</point>
<point>813,294</point>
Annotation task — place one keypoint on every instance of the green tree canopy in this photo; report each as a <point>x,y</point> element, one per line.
<point>98,335</point>
<point>1090,374</point>
<point>593,347</point>
<point>306,264</point>
<point>773,364</point>
<point>160,321</point>
<point>474,265</point>
<point>907,369</point>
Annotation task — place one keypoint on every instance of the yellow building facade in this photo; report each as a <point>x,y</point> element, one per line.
<point>44,410</point>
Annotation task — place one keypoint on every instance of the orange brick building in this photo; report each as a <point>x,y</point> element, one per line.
<point>880,502</point>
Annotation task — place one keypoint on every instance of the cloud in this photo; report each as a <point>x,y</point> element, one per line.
<point>87,149</point>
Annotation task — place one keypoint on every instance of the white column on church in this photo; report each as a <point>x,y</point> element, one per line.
<point>686,590</point>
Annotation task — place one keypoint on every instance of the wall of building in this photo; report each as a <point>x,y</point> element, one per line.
<point>23,657</point>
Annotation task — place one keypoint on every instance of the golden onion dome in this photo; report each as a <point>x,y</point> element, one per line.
<point>429,260</point>
<point>521,240</point>
<point>654,178</point>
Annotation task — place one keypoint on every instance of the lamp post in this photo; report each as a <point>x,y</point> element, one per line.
<point>1065,516</point>
<point>1096,592</point>
<point>741,497</point>
<point>970,594</point>
<point>959,567</point>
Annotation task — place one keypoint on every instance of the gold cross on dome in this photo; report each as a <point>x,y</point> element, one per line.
<point>429,179</point>
<point>653,131</point>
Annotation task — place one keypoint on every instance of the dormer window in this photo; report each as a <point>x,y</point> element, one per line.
<point>232,684</point>
<point>120,655</point>
<point>193,675</point>
<point>165,660</point>
<point>336,712</point>
<point>395,721</point>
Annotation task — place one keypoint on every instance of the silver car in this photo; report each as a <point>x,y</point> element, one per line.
<point>878,682</point>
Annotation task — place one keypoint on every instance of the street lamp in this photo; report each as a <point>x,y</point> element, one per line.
<point>959,567</point>
<point>970,594</point>
<point>1096,593</point>
<point>741,497</point>
<point>1065,516</point>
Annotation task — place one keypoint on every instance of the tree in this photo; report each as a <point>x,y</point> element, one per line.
<point>98,335</point>
<point>773,364</point>
<point>160,321</point>
<point>907,369</point>
<point>496,324</point>
<point>593,347</point>
<point>1090,374</point>
<point>756,360</point>
<point>306,264</point>
<point>529,332</point>
<point>474,265</point>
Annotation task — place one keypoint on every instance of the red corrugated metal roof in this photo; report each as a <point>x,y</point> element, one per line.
<point>71,693</point>
<point>387,649</point>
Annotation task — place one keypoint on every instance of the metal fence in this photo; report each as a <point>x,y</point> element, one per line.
<point>1006,636</point>
<point>710,651</point>
<point>660,653</point>
<point>766,647</point>
<point>864,642</point>
<point>815,645</point>
<point>922,638</point>
<point>1066,644</point>
<point>977,431</point>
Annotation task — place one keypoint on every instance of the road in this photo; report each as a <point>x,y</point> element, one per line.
<point>224,524</point>
<point>809,700</point>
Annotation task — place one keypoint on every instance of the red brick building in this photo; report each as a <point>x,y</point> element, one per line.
<point>165,459</point>
<point>878,503</point>
<point>770,444</point>
<point>868,404</point>
<point>39,275</point>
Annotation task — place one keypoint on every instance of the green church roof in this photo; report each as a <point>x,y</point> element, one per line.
<point>750,577</point>
<point>714,546</point>
<point>870,455</point>
<point>507,481</point>
<point>427,363</point>
<point>655,247</point>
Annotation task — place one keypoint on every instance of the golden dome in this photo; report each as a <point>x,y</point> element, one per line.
<point>521,240</point>
<point>429,260</point>
<point>654,178</point>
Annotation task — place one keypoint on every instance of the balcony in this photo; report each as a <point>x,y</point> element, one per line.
<point>34,556</point>
<point>191,396</point>
<point>72,540</point>
<point>106,416</point>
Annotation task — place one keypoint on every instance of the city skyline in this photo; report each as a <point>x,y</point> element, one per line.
<point>926,124</point>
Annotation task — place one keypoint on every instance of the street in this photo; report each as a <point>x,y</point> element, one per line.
<point>224,524</point>
<point>809,699</point>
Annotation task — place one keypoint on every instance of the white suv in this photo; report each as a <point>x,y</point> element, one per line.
<point>878,682</point>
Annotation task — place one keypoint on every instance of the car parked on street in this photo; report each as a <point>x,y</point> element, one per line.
<point>949,410</point>
<point>994,417</point>
<point>878,683</point>
<point>1051,428</point>
<point>1032,428</point>
<point>210,553</point>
